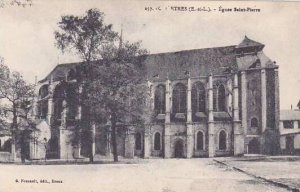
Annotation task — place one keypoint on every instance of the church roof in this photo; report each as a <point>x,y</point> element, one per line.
<point>59,71</point>
<point>254,61</point>
<point>249,43</point>
<point>289,115</point>
<point>198,62</point>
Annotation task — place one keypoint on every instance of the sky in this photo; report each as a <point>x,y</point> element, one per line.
<point>27,41</point>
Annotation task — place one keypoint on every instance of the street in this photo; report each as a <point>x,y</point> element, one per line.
<point>154,175</point>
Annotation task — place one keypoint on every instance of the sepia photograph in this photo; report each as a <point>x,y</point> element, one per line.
<point>149,96</point>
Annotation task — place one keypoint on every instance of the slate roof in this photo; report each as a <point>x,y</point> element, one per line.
<point>59,71</point>
<point>289,115</point>
<point>261,60</point>
<point>198,62</point>
<point>221,115</point>
<point>249,43</point>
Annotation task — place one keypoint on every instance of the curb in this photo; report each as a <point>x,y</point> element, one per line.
<point>276,183</point>
<point>69,163</point>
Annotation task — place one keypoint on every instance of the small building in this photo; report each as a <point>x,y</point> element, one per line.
<point>289,127</point>
<point>5,145</point>
<point>5,140</point>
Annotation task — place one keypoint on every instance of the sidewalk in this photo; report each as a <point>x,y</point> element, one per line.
<point>282,171</point>
<point>84,160</point>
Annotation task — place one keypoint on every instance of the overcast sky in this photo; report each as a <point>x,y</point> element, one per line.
<point>27,40</point>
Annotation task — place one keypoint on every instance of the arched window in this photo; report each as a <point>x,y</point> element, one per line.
<point>160,99</point>
<point>179,98</point>
<point>198,97</point>
<point>215,97</point>
<point>43,92</point>
<point>200,140</point>
<point>157,141</point>
<point>219,97</point>
<point>71,75</point>
<point>138,141</point>
<point>222,140</point>
<point>71,98</point>
<point>254,122</point>
<point>43,104</point>
<point>58,97</point>
<point>7,145</point>
<point>42,109</point>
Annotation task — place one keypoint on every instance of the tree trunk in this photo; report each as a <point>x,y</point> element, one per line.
<point>23,149</point>
<point>92,144</point>
<point>14,130</point>
<point>13,147</point>
<point>79,142</point>
<point>114,138</point>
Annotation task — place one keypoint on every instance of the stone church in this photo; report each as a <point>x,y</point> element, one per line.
<point>219,101</point>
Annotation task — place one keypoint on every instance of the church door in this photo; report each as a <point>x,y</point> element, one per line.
<point>290,145</point>
<point>52,149</point>
<point>254,146</point>
<point>179,149</point>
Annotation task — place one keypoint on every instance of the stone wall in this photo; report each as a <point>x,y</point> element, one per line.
<point>202,126</point>
<point>227,127</point>
<point>101,141</point>
<point>271,121</point>
<point>158,128</point>
<point>254,101</point>
<point>66,148</point>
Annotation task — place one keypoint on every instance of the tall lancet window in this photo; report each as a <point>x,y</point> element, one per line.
<point>138,141</point>
<point>200,139</point>
<point>198,97</point>
<point>254,122</point>
<point>219,97</point>
<point>43,103</point>
<point>43,92</point>
<point>222,140</point>
<point>71,75</point>
<point>215,97</point>
<point>179,98</point>
<point>71,98</point>
<point>157,141</point>
<point>58,97</point>
<point>160,99</point>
